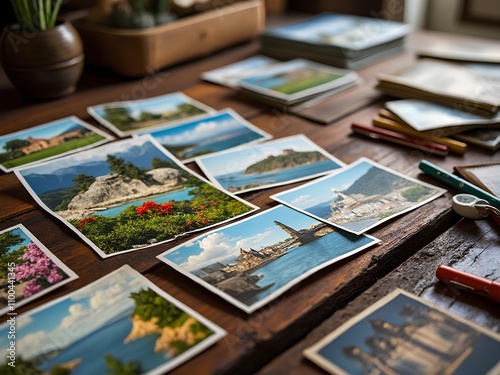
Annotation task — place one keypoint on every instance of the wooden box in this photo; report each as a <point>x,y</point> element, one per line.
<point>137,52</point>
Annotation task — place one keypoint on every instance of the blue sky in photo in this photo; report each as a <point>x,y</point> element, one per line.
<point>44,131</point>
<point>321,190</point>
<point>223,245</point>
<point>198,130</point>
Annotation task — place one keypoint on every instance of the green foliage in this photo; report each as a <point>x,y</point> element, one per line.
<point>117,367</point>
<point>119,116</point>
<point>36,15</point>
<point>10,257</point>
<point>82,182</point>
<point>148,116</point>
<point>22,367</point>
<point>284,161</point>
<point>162,163</point>
<point>9,239</point>
<point>16,144</point>
<point>122,168</point>
<point>416,192</point>
<point>149,305</point>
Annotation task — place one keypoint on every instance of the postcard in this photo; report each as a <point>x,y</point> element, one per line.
<point>423,115</point>
<point>253,261</point>
<point>273,163</point>
<point>404,334</point>
<point>229,75</point>
<point>29,270</point>
<point>135,116</point>
<point>296,80</point>
<point>342,31</point>
<point>128,195</point>
<point>48,141</point>
<point>360,196</point>
<point>485,176</point>
<point>486,138</point>
<point>120,324</point>
<point>221,131</point>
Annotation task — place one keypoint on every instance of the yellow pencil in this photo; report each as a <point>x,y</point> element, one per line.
<point>452,144</point>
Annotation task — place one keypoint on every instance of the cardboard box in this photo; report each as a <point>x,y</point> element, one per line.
<point>137,52</point>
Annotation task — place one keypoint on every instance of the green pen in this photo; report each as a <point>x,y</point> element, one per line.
<point>458,183</point>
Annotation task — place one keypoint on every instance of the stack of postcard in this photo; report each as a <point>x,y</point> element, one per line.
<point>297,83</point>
<point>427,120</point>
<point>340,40</point>
<point>472,88</point>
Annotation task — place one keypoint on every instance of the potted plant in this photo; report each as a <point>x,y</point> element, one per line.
<point>42,56</point>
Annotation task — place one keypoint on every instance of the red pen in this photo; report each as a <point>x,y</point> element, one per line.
<point>465,281</point>
<point>392,136</point>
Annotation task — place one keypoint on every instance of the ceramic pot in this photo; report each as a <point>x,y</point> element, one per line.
<point>43,64</point>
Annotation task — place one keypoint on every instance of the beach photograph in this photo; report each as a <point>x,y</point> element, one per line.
<point>253,261</point>
<point>128,195</point>
<point>48,141</point>
<point>119,324</point>
<point>135,116</point>
<point>359,197</point>
<point>28,269</point>
<point>212,133</point>
<point>272,163</point>
<point>404,334</point>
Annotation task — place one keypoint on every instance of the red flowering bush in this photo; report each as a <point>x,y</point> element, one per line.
<point>155,208</point>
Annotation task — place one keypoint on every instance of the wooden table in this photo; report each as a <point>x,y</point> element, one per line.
<point>270,340</point>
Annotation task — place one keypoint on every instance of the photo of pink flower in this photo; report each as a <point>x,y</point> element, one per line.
<point>28,270</point>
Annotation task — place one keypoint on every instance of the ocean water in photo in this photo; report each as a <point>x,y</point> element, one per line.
<point>109,339</point>
<point>178,195</point>
<point>223,144</point>
<point>302,259</point>
<point>239,179</point>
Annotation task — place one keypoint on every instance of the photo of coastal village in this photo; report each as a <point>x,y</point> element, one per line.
<point>252,262</point>
<point>139,116</point>
<point>360,196</point>
<point>128,195</point>
<point>403,334</point>
<point>48,141</point>
<point>28,269</point>
<point>263,165</point>
<point>119,324</point>
<point>212,133</point>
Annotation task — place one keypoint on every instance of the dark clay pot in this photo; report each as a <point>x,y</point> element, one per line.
<point>43,64</point>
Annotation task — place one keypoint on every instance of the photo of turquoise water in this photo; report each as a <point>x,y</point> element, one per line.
<point>119,321</point>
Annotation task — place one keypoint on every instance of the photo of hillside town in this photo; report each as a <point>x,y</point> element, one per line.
<point>263,165</point>
<point>119,324</point>
<point>48,141</point>
<point>128,195</point>
<point>251,262</point>
<point>139,116</point>
<point>360,196</point>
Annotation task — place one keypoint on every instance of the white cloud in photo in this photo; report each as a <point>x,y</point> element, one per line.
<point>304,201</point>
<point>255,241</point>
<point>204,130</point>
<point>215,248</point>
